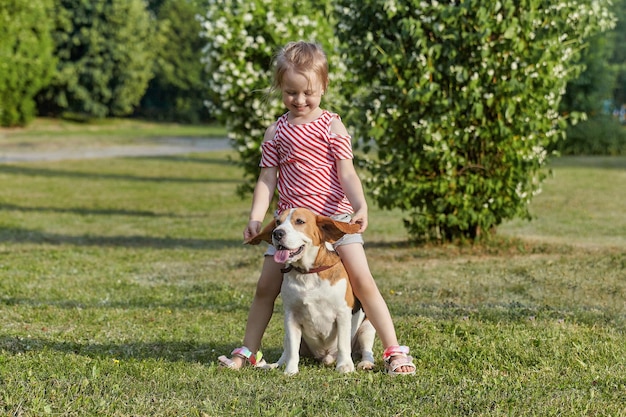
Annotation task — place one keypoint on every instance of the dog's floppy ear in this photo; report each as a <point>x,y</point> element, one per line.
<point>333,230</point>
<point>264,236</point>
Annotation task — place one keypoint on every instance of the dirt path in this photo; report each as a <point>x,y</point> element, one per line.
<point>169,146</point>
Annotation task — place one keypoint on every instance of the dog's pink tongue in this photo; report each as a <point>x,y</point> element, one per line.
<point>281,256</point>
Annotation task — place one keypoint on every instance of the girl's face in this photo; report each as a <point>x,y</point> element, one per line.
<point>302,94</point>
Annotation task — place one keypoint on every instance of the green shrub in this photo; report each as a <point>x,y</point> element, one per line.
<point>242,37</point>
<point>177,90</point>
<point>26,59</point>
<point>600,135</point>
<point>105,50</point>
<point>461,102</point>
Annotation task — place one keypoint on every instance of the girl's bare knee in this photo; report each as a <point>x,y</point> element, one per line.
<point>265,295</point>
<point>266,291</point>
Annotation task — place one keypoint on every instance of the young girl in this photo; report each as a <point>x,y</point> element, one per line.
<point>307,154</point>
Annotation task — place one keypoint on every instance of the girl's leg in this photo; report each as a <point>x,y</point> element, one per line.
<point>267,289</point>
<point>366,290</point>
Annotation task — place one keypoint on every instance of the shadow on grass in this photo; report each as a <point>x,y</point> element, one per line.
<point>87,212</point>
<point>154,295</point>
<point>511,312</point>
<point>189,158</point>
<point>44,172</point>
<point>19,235</point>
<point>172,351</point>
<point>204,303</point>
<point>379,244</point>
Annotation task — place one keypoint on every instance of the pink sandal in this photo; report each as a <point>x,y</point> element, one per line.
<point>395,357</point>
<point>248,357</point>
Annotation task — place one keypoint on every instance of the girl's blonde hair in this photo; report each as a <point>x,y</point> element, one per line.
<point>302,57</point>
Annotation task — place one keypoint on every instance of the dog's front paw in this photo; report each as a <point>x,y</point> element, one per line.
<point>268,366</point>
<point>291,366</point>
<point>291,371</point>
<point>345,367</point>
<point>365,365</point>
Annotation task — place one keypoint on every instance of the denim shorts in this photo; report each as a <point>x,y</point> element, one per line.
<point>344,240</point>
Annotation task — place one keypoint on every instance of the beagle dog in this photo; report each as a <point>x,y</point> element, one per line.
<point>323,318</point>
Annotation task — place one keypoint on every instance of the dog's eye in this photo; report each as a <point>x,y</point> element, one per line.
<point>300,221</point>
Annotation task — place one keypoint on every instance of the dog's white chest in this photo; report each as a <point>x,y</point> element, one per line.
<point>315,305</point>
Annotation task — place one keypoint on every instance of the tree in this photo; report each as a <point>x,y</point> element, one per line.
<point>461,102</point>
<point>588,92</point>
<point>177,90</point>
<point>242,37</point>
<point>619,53</point>
<point>105,50</point>
<point>599,133</point>
<point>26,59</point>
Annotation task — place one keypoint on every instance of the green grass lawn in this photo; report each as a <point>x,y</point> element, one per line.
<point>122,280</point>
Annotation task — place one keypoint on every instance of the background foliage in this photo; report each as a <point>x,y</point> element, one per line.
<point>618,59</point>
<point>599,92</point>
<point>475,62</point>
<point>26,59</point>
<point>600,134</point>
<point>177,91</point>
<point>105,50</point>
<point>242,38</point>
<point>462,101</point>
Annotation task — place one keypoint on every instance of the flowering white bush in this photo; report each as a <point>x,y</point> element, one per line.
<point>460,98</point>
<point>462,101</point>
<point>242,38</point>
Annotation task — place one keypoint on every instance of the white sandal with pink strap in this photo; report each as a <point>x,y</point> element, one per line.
<point>395,357</point>
<point>244,353</point>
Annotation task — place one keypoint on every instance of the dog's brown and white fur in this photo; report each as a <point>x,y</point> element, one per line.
<point>320,309</point>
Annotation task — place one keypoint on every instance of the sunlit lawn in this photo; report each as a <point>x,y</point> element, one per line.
<point>122,280</point>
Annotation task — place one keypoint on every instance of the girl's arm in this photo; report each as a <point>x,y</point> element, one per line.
<point>263,194</point>
<point>350,181</point>
<point>351,184</point>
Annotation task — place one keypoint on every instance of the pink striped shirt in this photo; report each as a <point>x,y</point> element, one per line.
<point>306,155</point>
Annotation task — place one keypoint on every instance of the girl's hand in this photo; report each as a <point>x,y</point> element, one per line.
<point>360,218</point>
<point>253,229</point>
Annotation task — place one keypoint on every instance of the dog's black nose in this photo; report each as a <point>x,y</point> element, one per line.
<point>278,234</point>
